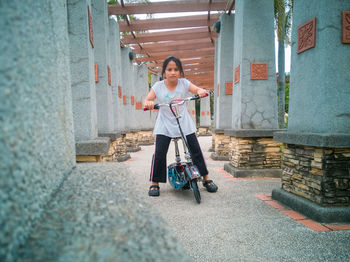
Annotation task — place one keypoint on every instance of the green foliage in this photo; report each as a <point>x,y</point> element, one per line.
<point>113,2</point>
<point>198,113</point>
<point>286,90</point>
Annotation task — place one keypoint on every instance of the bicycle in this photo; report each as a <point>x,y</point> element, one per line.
<point>182,174</point>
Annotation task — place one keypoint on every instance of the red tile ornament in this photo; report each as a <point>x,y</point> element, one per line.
<point>306,35</point>
<point>138,105</point>
<point>109,75</point>
<point>91,33</point>
<point>124,100</point>
<point>120,91</point>
<point>228,88</point>
<point>259,71</point>
<point>96,73</point>
<point>346,27</point>
<point>208,113</point>
<point>236,75</point>
<point>203,113</point>
<point>132,100</point>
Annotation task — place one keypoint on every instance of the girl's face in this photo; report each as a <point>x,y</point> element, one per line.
<point>172,72</point>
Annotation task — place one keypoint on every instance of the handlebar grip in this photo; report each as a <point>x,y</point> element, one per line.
<point>156,106</point>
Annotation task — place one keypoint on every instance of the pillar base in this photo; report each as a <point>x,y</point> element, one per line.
<point>145,137</point>
<point>94,147</point>
<point>133,149</point>
<point>131,140</point>
<point>221,146</point>
<point>123,158</point>
<point>311,209</point>
<point>214,156</point>
<point>236,172</point>
<point>204,131</point>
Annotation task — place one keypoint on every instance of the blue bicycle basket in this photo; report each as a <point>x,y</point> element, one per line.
<point>176,175</point>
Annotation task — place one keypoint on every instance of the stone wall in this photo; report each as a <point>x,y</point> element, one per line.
<point>203,131</point>
<point>117,149</point>
<point>221,145</point>
<point>255,153</point>
<point>131,140</point>
<point>145,137</point>
<point>321,175</point>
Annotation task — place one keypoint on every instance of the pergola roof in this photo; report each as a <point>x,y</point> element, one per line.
<point>189,38</point>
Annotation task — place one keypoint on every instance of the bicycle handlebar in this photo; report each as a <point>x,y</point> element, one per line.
<point>195,97</point>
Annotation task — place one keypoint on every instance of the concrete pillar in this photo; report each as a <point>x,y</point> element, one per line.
<point>204,117</point>
<point>105,118</point>
<point>225,72</point>
<point>215,84</point>
<point>215,95</point>
<point>118,144</point>
<point>145,136</point>
<point>128,92</point>
<point>81,41</point>
<point>153,114</point>
<point>223,84</point>
<point>254,99</point>
<point>36,138</point>
<point>316,154</point>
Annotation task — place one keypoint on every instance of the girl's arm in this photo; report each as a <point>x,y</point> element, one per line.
<point>197,90</point>
<point>148,102</point>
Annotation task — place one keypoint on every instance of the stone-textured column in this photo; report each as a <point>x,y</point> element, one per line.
<point>153,114</point>
<point>316,154</point>
<point>254,99</point>
<point>127,93</point>
<point>105,118</point>
<point>224,77</point>
<point>37,137</point>
<point>145,136</point>
<point>225,72</point>
<point>215,95</point>
<point>117,150</point>
<point>204,118</point>
<point>81,40</point>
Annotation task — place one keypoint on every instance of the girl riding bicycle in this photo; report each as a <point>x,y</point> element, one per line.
<point>174,87</point>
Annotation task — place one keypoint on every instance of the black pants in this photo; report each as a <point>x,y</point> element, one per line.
<point>159,165</point>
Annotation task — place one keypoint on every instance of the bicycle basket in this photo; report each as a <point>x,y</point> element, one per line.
<point>176,175</point>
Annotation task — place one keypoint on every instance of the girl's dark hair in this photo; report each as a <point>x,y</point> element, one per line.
<point>177,62</point>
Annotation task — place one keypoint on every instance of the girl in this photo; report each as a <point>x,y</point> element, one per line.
<point>172,88</point>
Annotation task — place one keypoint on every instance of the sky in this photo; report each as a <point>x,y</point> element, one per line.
<point>163,15</point>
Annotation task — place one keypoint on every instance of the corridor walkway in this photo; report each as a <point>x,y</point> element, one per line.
<point>240,222</point>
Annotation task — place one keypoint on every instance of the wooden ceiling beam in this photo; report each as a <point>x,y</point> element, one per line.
<point>174,35</point>
<point>173,45</point>
<point>166,7</point>
<point>173,48</point>
<point>180,55</point>
<point>193,53</point>
<point>166,23</point>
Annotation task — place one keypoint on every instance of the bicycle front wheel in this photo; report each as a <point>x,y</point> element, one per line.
<point>195,189</point>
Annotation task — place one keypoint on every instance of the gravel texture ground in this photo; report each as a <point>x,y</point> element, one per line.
<point>103,213</point>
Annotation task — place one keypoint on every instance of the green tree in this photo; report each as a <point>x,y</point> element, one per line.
<point>283,16</point>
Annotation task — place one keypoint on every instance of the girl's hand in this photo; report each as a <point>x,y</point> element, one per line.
<point>149,104</point>
<point>202,93</point>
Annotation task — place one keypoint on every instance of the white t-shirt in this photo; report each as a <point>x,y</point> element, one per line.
<point>166,123</point>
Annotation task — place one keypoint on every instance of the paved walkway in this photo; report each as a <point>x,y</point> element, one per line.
<point>240,222</point>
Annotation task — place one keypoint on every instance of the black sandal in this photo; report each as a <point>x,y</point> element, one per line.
<point>153,190</point>
<point>210,186</point>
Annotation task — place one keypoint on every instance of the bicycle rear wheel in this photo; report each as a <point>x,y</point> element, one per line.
<point>195,189</point>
